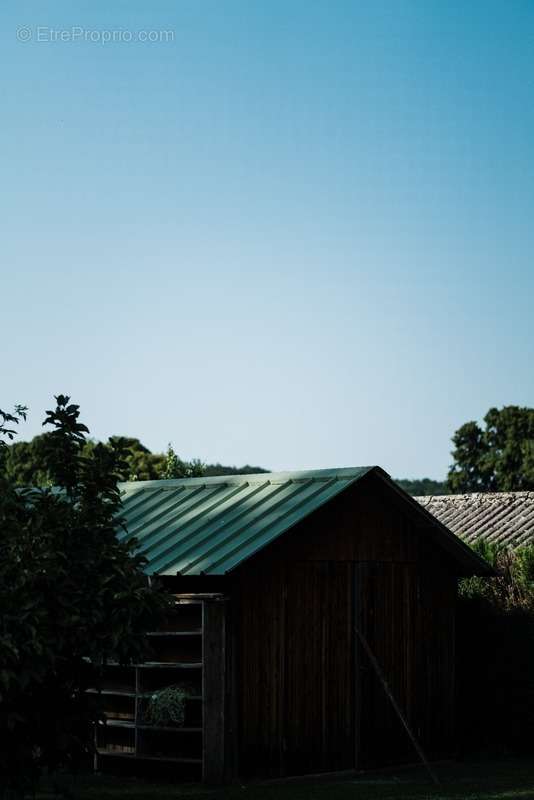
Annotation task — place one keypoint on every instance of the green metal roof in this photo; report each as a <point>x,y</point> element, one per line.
<point>209,526</point>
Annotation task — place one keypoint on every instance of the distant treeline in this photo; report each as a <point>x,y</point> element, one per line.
<point>498,457</point>
<point>219,469</point>
<point>422,486</point>
<point>26,464</point>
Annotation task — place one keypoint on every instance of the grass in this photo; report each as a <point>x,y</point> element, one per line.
<point>489,780</point>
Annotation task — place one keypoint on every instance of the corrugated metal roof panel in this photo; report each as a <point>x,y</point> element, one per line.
<point>505,518</point>
<point>211,525</point>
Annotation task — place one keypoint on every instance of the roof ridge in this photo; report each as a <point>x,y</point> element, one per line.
<point>346,473</point>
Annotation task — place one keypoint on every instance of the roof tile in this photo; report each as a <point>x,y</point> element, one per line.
<point>505,518</point>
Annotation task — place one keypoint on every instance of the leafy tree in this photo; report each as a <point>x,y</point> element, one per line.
<point>176,468</point>
<point>497,458</point>
<point>72,597</point>
<point>195,468</point>
<point>26,462</point>
<point>141,464</point>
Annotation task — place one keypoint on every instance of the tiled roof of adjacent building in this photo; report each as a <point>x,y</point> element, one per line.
<point>505,518</point>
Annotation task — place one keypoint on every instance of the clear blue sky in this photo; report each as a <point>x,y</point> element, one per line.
<point>298,234</point>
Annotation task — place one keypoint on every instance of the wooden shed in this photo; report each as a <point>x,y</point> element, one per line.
<point>278,579</point>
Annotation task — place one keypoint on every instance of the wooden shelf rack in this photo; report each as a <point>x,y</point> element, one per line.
<point>190,649</point>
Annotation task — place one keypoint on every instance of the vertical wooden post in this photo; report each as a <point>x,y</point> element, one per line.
<point>96,760</point>
<point>356,622</point>
<point>213,690</point>
<point>137,710</point>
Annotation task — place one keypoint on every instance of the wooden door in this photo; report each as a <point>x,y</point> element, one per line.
<point>319,668</point>
<point>385,597</point>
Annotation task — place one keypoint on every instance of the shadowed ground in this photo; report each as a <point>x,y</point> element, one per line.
<point>490,780</point>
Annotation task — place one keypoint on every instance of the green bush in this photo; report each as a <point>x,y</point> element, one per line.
<point>166,707</point>
<point>495,654</point>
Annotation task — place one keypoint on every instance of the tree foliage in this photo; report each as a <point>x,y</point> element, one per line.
<point>72,595</point>
<point>140,463</point>
<point>176,468</point>
<point>27,462</point>
<point>496,458</point>
<point>495,654</point>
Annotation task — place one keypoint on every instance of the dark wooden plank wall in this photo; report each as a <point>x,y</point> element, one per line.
<point>307,701</point>
<point>260,672</point>
<point>437,659</point>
